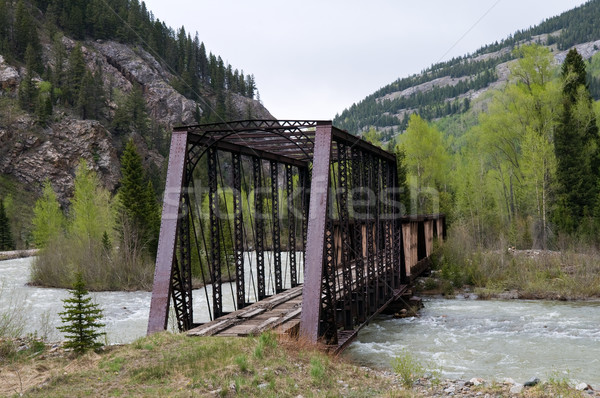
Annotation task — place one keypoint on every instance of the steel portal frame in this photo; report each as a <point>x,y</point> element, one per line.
<point>346,224</point>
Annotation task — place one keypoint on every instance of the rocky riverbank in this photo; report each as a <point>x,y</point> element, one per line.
<point>430,386</point>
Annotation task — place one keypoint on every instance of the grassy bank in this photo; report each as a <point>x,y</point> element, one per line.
<point>175,365</point>
<point>570,274</point>
<point>180,366</point>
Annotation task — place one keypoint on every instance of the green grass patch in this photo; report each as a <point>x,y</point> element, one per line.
<point>181,366</point>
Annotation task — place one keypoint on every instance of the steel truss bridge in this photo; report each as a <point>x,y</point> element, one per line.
<point>286,224</point>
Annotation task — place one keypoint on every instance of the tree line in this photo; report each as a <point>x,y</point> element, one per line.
<point>528,169</point>
<point>129,21</point>
<point>578,25</point>
<point>66,81</point>
<point>110,240</point>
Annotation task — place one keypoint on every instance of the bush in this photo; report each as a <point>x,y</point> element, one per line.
<point>12,320</point>
<point>408,368</point>
<point>127,267</point>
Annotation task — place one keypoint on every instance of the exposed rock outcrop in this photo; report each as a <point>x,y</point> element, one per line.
<point>9,76</point>
<point>33,155</point>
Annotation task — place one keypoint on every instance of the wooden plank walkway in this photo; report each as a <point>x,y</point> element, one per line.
<point>280,312</point>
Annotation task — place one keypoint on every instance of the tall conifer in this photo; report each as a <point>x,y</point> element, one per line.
<point>576,147</point>
<point>136,197</point>
<point>6,241</point>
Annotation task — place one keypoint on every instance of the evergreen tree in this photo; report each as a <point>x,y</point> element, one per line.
<point>137,198</point>
<point>75,75</point>
<point>27,91</point>
<point>43,108</point>
<point>91,95</point>
<point>81,318</point>
<point>6,241</point>
<point>25,35</point>
<point>576,145</point>
<point>5,28</point>
<point>136,106</point>
<point>131,114</point>
<point>59,76</point>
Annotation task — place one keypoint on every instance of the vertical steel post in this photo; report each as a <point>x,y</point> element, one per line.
<point>181,277</point>
<point>289,191</point>
<point>421,246</point>
<point>215,232</point>
<point>380,282</point>
<point>370,225</point>
<point>259,227</point>
<point>348,313</point>
<point>165,256</point>
<point>276,227</point>
<point>304,178</point>
<point>315,245</point>
<point>358,216</point>
<point>388,220</point>
<point>238,233</point>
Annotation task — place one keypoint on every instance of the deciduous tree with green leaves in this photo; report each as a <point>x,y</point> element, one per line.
<point>427,163</point>
<point>48,219</point>
<point>91,207</point>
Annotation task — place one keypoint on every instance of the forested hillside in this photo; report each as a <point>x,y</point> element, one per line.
<point>448,88</point>
<point>195,73</point>
<point>524,169</point>
<point>79,80</point>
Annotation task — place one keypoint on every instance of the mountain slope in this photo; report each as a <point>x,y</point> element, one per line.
<point>447,88</point>
<point>69,93</point>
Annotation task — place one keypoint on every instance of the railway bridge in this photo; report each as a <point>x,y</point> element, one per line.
<point>286,224</point>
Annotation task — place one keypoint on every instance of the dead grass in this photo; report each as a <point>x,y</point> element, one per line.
<point>534,274</point>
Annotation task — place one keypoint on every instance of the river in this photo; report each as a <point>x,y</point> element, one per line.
<point>493,339</point>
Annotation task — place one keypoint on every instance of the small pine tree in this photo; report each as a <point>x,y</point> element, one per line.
<point>81,318</point>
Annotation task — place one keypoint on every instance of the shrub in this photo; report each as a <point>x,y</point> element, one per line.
<point>408,368</point>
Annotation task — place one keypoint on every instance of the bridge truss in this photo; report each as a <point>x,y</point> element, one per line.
<point>253,208</point>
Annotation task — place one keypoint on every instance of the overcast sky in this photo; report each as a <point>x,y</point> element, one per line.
<point>312,59</point>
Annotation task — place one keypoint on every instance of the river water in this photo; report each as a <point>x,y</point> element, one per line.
<point>125,313</point>
<point>492,339</point>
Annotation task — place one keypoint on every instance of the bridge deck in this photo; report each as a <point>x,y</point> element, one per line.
<point>281,311</point>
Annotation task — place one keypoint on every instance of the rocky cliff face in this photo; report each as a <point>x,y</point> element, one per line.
<point>32,153</point>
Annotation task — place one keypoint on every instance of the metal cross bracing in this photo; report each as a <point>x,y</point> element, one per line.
<point>254,208</point>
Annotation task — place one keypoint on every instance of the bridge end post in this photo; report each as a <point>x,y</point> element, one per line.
<point>315,243</point>
<point>159,302</point>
